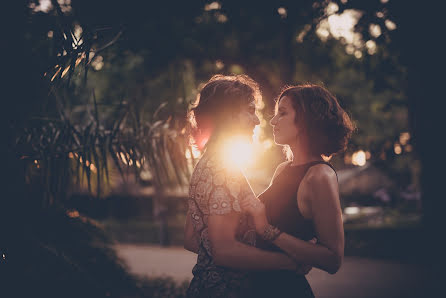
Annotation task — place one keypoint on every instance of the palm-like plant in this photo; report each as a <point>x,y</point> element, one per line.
<point>67,149</point>
<point>60,151</point>
<point>56,251</point>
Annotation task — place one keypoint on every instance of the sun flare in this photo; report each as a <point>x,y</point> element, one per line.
<point>238,152</point>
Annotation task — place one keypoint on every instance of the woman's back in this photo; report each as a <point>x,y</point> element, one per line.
<point>211,191</point>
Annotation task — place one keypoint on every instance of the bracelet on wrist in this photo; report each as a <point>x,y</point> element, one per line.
<point>270,233</point>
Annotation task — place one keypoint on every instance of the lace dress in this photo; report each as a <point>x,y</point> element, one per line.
<point>215,189</point>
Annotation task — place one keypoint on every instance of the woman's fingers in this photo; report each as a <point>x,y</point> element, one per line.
<point>314,240</point>
<point>250,203</point>
<point>247,206</point>
<point>245,203</point>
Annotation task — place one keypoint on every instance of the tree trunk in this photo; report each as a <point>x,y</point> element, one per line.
<point>421,52</point>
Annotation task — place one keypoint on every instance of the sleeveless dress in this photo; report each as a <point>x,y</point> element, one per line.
<point>215,189</point>
<point>282,211</point>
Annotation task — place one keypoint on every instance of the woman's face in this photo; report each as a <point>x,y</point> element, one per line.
<point>247,119</point>
<point>284,127</point>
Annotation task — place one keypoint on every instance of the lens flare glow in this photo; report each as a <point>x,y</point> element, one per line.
<point>238,152</point>
<point>359,158</point>
<point>193,152</point>
<point>351,210</point>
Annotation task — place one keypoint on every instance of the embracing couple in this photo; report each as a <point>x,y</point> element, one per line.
<point>264,246</point>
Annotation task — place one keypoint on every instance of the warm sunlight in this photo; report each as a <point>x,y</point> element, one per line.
<point>342,26</point>
<point>193,152</point>
<point>238,152</point>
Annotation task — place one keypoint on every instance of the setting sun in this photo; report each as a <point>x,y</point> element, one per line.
<point>238,151</point>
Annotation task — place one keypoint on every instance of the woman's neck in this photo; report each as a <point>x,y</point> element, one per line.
<point>301,156</point>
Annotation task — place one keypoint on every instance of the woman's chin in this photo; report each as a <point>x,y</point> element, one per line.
<point>278,141</point>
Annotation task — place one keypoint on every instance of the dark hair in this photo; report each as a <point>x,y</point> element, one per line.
<point>326,125</point>
<point>218,100</point>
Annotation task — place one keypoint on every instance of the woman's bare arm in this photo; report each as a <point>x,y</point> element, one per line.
<point>320,188</point>
<point>278,261</point>
<point>229,252</point>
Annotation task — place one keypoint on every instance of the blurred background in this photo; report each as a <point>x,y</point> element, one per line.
<point>97,157</point>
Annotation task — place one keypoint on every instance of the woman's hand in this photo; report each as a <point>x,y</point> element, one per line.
<point>256,209</point>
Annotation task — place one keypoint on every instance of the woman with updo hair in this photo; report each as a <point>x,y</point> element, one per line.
<point>217,229</point>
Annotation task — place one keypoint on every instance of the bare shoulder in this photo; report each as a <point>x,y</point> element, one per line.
<point>318,189</point>
<point>319,182</point>
<point>320,174</point>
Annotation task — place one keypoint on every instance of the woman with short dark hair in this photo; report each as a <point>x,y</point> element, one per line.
<point>302,200</point>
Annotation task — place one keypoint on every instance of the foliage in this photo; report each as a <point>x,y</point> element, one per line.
<point>62,254</point>
<point>67,136</point>
<point>161,54</point>
<point>81,136</point>
<point>57,150</point>
<point>65,254</point>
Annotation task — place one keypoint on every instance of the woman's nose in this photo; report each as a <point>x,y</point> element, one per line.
<point>273,121</point>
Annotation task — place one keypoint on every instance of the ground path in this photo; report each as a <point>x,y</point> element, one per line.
<point>358,277</point>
